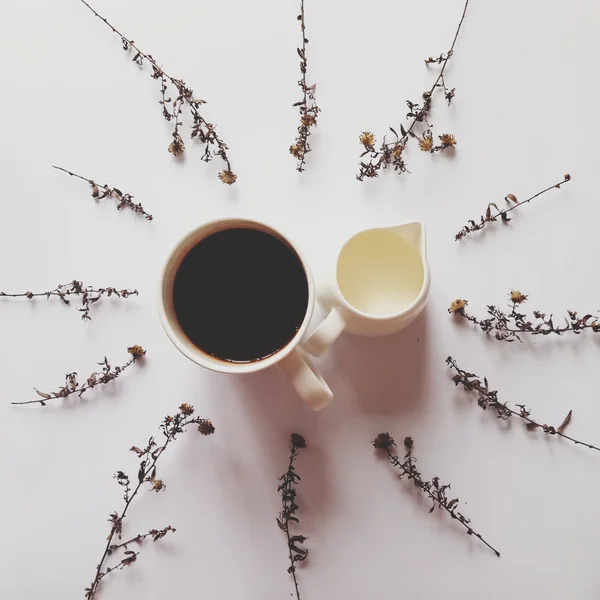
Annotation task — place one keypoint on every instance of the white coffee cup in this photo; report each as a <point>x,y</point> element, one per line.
<point>380,285</point>
<point>290,360</point>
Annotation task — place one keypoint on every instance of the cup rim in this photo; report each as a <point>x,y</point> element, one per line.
<point>411,307</point>
<point>178,338</point>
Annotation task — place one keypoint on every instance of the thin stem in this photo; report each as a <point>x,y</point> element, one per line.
<point>440,74</point>
<point>90,181</point>
<point>185,93</point>
<point>489,217</point>
<point>436,491</point>
<point>138,538</point>
<point>489,398</point>
<point>409,472</point>
<point>72,386</point>
<point>123,199</point>
<point>286,490</point>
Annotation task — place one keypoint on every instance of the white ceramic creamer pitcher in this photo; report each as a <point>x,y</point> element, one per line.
<point>380,285</point>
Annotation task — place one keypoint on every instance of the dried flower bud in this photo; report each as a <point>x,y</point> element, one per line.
<point>383,441</point>
<point>447,140</point>
<point>228,177</point>
<point>367,139</point>
<point>408,442</point>
<point>186,409</point>
<point>298,441</point>
<point>177,147</point>
<point>296,151</point>
<point>206,427</point>
<point>517,297</point>
<point>158,485</point>
<point>426,142</point>
<point>136,351</point>
<point>457,306</point>
<point>308,120</point>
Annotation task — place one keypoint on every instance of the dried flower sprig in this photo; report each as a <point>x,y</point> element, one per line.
<point>287,488</point>
<point>502,213</point>
<point>390,154</point>
<point>307,106</point>
<point>507,327</point>
<point>105,191</point>
<point>436,492</point>
<point>89,295</point>
<point>202,130</point>
<point>72,386</point>
<point>170,428</point>
<point>489,399</point>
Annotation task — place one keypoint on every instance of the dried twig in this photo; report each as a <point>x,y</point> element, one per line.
<point>105,191</point>
<point>508,327</point>
<point>436,492</point>
<point>89,295</point>
<point>287,487</point>
<point>307,106</point>
<point>391,153</point>
<point>502,213</point>
<point>171,427</point>
<point>202,130</point>
<point>489,399</point>
<point>72,386</point>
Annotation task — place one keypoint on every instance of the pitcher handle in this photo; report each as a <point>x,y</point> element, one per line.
<point>307,381</point>
<point>326,333</point>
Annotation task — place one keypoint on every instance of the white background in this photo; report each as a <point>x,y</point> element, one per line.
<point>523,115</point>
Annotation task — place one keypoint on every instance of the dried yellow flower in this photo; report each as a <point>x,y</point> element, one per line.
<point>136,351</point>
<point>448,140</point>
<point>457,306</point>
<point>296,151</point>
<point>367,139</point>
<point>426,142</point>
<point>308,120</point>
<point>228,177</point>
<point>158,485</point>
<point>397,151</point>
<point>177,147</point>
<point>186,409</point>
<point>205,427</point>
<point>517,297</point>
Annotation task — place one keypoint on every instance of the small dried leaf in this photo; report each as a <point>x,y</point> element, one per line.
<point>95,190</point>
<point>452,503</point>
<point>42,394</point>
<point>393,131</point>
<point>565,422</point>
<point>511,198</point>
<point>280,524</point>
<point>532,426</point>
<point>402,130</point>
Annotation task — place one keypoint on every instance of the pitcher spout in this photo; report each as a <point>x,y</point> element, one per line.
<point>414,234</point>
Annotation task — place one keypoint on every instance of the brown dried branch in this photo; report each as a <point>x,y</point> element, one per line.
<point>391,153</point>
<point>307,106</point>
<point>502,213</point>
<point>489,399</point>
<point>89,295</point>
<point>507,327</point>
<point>287,487</point>
<point>202,130</point>
<point>105,191</point>
<point>436,492</point>
<point>170,427</point>
<point>72,386</point>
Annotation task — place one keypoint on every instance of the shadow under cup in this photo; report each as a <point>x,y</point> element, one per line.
<point>379,273</point>
<point>235,296</point>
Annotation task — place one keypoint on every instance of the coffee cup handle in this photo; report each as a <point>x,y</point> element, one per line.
<point>326,333</point>
<point>307,381</point>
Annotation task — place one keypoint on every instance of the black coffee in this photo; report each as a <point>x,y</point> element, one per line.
<point>240,294</point>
